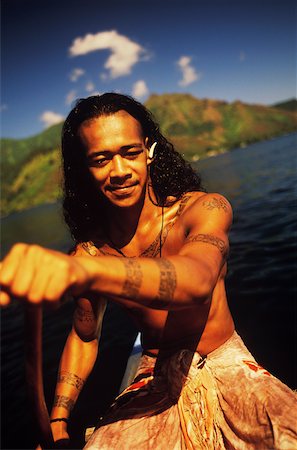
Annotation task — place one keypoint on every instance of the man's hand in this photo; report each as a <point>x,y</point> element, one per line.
<point>37,274</point>
<point>60,435</point>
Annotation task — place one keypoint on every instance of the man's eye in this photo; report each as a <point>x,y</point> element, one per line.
<point>133,153</point>
<point>100,162</point>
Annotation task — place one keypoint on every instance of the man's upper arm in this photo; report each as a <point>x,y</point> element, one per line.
<point>207,222</point>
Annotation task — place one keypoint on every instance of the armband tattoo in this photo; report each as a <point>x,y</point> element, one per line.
<point>63,402</point>
<point>167,280</point>
<point>71,378</point>
<point>209,239</point>
<point>133,278</point>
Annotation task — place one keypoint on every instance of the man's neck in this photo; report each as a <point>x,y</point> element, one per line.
<point>125,222</point>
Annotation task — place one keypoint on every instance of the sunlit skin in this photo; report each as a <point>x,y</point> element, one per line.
<point>193,314</point>
<point>117,157</point>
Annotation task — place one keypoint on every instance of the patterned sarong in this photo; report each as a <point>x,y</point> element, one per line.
<point>223,401</point>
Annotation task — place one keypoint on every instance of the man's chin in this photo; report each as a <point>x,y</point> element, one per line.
<point>126,197</point>
<point>123,202</point>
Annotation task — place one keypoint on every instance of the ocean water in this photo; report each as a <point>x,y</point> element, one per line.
<point>260,182</point>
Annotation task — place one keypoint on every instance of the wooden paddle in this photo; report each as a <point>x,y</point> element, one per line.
<point>33,349</point>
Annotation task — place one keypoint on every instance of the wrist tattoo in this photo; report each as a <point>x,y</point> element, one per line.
<point>208,239</point>
<point>167,280</point>
<point>71,378</point>
<point>63,402</point>
<point>216,203</point>
<point>133,278</point>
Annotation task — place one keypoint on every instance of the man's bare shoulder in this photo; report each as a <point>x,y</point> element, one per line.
<point>211,201</point>
<point>209,207</point>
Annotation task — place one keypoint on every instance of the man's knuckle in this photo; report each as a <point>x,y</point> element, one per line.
<point>33,250</point>
<point>19,247</point>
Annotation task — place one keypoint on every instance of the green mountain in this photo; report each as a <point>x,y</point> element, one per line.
<point>198,127</point>
<point>288,105</point>
<point>30,170</point>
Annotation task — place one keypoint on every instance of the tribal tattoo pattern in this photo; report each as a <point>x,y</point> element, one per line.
<point>154,248</point>
<point>71,378</point>
<point>63,402</point>
<point>216,203</point>
<point>82,315</point>
<point>133,278</point>
<point>167,281</point>
<point>208,239</point>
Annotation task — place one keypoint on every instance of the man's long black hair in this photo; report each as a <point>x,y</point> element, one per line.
<point>83,207</point>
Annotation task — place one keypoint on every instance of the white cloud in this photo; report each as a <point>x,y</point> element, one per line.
<point>124,52</point>
<point>70,97</point>
<point>76,74</point>
<point>90,86</point>
<point>3,107</point>
<point>189,73</point>
<point>139,89</point>
<point>50,118</point>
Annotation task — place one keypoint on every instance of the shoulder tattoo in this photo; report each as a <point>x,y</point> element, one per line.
<point>216,203</point>
<point>83,315</point>
<point>71,378</point>
<point>133,279</point>
<point>209,239</point>
<point>167,280</point>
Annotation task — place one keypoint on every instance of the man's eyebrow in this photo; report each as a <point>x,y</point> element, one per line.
<point>101,153</point>
<point>108,152</point>
<point>134,144</point>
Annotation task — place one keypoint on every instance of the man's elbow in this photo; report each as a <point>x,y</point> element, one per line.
<point>199,291</point>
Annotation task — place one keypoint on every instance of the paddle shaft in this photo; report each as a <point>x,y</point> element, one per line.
<point>33,349</point>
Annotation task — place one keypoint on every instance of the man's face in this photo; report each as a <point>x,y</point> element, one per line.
<point>117,157</point>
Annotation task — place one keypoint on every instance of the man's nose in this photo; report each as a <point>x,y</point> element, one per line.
<point>120,168</point>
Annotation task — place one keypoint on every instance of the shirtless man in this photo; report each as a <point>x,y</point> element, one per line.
<point>149,238</point>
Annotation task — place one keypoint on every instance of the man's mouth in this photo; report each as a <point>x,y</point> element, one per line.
<point>122,190</point>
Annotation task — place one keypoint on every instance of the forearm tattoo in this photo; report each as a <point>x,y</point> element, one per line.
<point>133,278</point>
<point>167,280</point>
<point>63,402</point>
<point>216,203</point>
<point>208,239</point>
<point>71,378</point>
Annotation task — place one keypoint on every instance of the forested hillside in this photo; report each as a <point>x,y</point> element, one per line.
<point>198,127</point>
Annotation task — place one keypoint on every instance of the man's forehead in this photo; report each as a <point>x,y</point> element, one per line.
<point>120,116</point>
<point>112,130</point>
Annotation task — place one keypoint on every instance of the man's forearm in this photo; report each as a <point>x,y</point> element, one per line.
<point>175,282</point>
<point>77,361</point>
<point>159,283</point>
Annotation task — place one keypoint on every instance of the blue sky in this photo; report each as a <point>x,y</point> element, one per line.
<point>54,51</point>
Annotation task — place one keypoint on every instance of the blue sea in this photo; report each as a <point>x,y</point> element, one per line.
<point>260,182</point>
